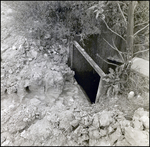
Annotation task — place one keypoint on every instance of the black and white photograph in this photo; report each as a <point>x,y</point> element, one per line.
<point>74,73</point>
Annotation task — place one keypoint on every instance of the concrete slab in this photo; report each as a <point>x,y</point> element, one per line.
<point>141,66</point>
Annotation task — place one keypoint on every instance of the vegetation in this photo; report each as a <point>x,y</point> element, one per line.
<point>51,21</point>
<point>123,25</point>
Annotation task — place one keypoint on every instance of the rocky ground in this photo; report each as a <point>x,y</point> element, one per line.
<point>43,105</point>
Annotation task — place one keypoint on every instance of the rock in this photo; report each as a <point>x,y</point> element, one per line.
<point>3,139</point>
<point>83,138</point>
<point>138,124</point>
<point>115,136</point>
<point>40,129</point>
<point>142,116</point>
<point>99,142</point>
<point>110,129</point>
<point>124,123</point>
<point>96,121</point>
<point>94,134</point>
<point>65,124</point>
<point>105,118</point>
<point>87,121</point>
<point>6,143</point>
<point>74,123</point>
<point>102,142</point>
<point>12,107</point>
<point>122,143</point>
<point>103,132</point>
<point>145,120</point>
<point>27,143</point>
<point>72,143</point>
<point>136,137</point>
<point>92,142</point>
<point>35,101</point>
<point>139,113</point>
<point>131,95</point>
<point>52,117</point>
<point>78,130</point>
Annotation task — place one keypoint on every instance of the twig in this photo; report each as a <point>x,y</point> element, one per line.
<point>141,24</point>
<point>122,15</point>
<point>106,61</point>
<point>118,51</point>
<point>135,3</point>
<point>109,44</point>
<point>140,51</point>
<point>113,31</point>
<point>141,44</point>
<point>113,47</point>
<point>141,29</point>
<point>122,3</point>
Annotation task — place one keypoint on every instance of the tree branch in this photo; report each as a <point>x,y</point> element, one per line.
<point>113,47</point>
<point>109,44</point>
<point>118,51</point>
<point>122,15</point>
<point>141,24</point>
<point>141,29</point>
<point>141,44</point>
<point>106,61</point>
<point>140,51</point>
<point>113,31</point>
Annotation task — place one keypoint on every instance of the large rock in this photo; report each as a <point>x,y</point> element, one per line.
<point>94,134</point>
<point>20,120</point>
<point>105,118</point>
<point>40,130</point>
<point>145,120</point>
<point>136,137</point>
<point>142,116</point>
<point>141,66</point>
<point>96,121</point>
<point>139,113</point>
<point>74,123</point>
<point>115,136</point>
<point>138,124</point>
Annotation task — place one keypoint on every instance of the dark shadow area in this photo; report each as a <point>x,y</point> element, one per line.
<point>114,62</point>
<point>27,89</point>
<point>85,75</point>
<point>89,81</point>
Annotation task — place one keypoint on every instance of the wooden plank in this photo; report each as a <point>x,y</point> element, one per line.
<point>98,91</point>
<point>71,54</point>
<point>89,59</point>
<point>101,91</point>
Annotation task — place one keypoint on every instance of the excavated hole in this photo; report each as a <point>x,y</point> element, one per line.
<point>27,89</point>
<point>5,91</point>
<point>89,81</point>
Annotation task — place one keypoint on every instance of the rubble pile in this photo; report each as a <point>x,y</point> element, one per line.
<point>42,104</point>
<point>27,70</point>
<point>35,123</point>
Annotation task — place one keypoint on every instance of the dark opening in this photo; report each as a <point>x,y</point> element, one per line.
<point>85,75</point>
<point>89,81</point>
<point>27,89</point>
<point>114,62</point>
<point>5,91</point>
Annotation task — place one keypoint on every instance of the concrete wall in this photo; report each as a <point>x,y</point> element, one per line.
<point>95,44</point>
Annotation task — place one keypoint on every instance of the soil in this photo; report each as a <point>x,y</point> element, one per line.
<point>43,105</point>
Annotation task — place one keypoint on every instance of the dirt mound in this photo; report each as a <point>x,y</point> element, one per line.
<point>43,105</point>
